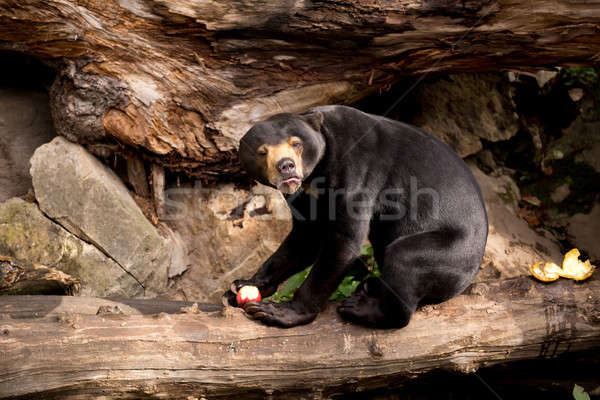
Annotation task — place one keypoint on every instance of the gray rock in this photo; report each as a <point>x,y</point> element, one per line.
<point>560,193</point>
<point>512,245</point>
<point>229,233</point>
<point>26,234</point>
<point>581,134</point>
<point>543,77</point>
<point>576,94</point>
<point>590,156</point>
<point>179,254</point>
<point>25,124</point>
<point>90,201</point>
<point>487,161</point>
<point>581,139</point>
<point>585,231</point>
<point>463,109</point>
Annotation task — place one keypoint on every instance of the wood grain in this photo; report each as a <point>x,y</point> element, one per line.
<point>58,347</point>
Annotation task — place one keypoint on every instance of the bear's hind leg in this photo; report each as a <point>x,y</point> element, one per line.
<point>430,266</point>
<point>377,304</point>
<point>368,306</point>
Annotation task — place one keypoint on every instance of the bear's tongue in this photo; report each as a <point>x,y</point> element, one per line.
<point>290,180</point>
<point>289,185</point>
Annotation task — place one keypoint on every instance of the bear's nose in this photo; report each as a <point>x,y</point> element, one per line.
<point>286,166</point>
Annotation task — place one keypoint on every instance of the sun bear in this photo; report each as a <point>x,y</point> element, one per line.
<point>349,176</point>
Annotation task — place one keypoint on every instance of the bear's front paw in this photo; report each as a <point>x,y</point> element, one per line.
<point>229,299</point>
<point>278,314</point>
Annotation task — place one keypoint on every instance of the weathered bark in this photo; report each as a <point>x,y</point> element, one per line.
<point>65,347</point>
<point>27,278</point>
<point>184,79</point>
<point>136,174</point>
<point>158,189</point>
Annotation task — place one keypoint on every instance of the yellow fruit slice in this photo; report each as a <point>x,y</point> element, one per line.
<point>573,268</point>
<point>571,263</point>
<point>545,271</point>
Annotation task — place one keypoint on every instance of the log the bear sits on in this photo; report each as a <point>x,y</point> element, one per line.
<point>348,176</point>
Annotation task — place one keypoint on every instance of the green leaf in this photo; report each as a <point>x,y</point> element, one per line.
<point>345,289</point>
<point>579,393</point>
<point>367,250</point>
<point>292,284</point>
<point>375,272</point>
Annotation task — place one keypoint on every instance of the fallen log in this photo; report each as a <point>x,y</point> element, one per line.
<point>182,80</point>
<point>20,278</point>
<point>69,347</point>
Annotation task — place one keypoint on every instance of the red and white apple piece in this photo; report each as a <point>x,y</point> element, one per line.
<point>246,294</point>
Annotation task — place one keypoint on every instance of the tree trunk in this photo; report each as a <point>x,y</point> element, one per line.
<point>71,347</point>
<point>182,80</point>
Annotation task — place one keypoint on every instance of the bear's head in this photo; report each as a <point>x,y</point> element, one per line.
<point>283,150</point>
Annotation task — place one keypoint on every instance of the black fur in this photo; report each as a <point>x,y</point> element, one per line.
<point>400,187</point>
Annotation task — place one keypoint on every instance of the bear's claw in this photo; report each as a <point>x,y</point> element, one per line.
<point>279,314</point>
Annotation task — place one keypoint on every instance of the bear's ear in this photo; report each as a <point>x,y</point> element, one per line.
<point>314,119</point>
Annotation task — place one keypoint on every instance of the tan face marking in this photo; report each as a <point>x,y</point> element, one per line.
<point>273,153</point>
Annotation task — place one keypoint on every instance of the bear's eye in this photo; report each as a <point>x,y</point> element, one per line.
<point>262,151</point>
<point>297,145</point>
